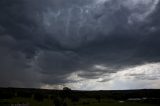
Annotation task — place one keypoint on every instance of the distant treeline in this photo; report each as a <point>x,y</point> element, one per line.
<point>152,95</point>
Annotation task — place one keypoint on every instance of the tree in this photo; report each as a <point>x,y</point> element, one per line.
<point>66,89</point>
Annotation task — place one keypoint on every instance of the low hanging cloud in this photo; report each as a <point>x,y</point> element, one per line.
<point>144,76</point>
<point>53,39</point>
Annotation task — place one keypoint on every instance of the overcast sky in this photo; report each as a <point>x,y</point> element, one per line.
<point>82,44</point>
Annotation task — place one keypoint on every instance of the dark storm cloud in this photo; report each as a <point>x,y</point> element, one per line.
<point>15,70</point>
<point>53,38</point>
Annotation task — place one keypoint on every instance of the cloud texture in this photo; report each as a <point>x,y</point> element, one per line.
<point>44,42</point>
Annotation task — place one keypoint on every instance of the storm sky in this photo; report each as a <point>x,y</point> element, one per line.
<point>82,44</point>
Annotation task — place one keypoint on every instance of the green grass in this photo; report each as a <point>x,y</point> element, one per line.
<point>82,102</point>
<point>32,102</point>
<point>117,104</point>
<point>108,102</point>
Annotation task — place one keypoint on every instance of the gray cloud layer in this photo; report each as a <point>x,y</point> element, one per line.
<point>44,41</point>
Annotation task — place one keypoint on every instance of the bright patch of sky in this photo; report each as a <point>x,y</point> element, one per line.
<point>138,77</point>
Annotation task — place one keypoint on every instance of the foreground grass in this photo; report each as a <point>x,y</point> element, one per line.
<point>82,102</point>
<point>90,102</point>
<point>118,104</point>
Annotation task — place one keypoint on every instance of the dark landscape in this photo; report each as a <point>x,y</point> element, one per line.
<point>68,97</point>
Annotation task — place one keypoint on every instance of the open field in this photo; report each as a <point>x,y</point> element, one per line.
<point>40,97</point>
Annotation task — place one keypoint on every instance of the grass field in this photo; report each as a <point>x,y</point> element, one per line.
<point>81,102</point>
<point>42,97</point>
